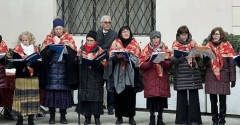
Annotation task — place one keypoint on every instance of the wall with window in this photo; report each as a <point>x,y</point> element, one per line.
<point>142,15</point>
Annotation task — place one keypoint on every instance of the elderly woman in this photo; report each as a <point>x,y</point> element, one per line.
<point>187,80</point>
<point>26,101</point>
<point>156,81</point>
<point>91,80</point>
<point>220,72</point>
<point>57,75</point>
<point>125,73</point>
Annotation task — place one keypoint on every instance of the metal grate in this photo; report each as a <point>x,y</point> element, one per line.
<point>80,16</point>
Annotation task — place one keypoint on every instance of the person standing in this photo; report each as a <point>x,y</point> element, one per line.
<point>155,75</point>
<point>91,80</point>
<point>220,72</point>
<point>125,74</point>
<point>26,100</point>
<point>57,76</point>
<point>105,37</point>
<point>187,80</point>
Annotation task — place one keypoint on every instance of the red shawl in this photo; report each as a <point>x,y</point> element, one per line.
<point>223,50</point>
<point>19,50</point>
<point>3,47</point>
<point>179,46</point>
<point>50,40</point>
<point>147,52</point>
<point>132,48</point>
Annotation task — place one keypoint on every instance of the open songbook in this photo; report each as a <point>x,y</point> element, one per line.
<point>29,60</point>
<point>157,57</point>
<point>115,52</point>
<point>99,58</point>
<point>202,50</point>
<point>178,53</point>
<point>2,55</point>
<point>60,49</point>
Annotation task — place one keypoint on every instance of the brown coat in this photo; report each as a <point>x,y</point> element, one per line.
<point>227,74</point>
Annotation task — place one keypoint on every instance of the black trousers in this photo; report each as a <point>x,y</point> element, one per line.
<point>188,107</point>
<point>214,108</point>
<point>110,97</point>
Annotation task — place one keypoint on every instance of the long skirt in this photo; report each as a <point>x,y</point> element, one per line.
<point>62,99</point>
<point>125,103</point>
<point>156,104</point>
<point>88,108</point>
<point>26,96</point>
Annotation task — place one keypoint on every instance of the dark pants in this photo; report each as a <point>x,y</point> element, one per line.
<point>188,107</point>
<point>110,97</point>
<point>214,108</point>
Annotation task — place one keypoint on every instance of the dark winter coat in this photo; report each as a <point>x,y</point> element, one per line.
<point>185,77</point>
<point>58,75</point>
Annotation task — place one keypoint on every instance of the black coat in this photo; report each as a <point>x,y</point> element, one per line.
<point>21,68</point>
<point>105,41</point>
<point>91,80</point>
<point>58,75</point>
<point>186,77</point>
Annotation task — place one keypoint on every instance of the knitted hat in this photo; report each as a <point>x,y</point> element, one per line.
<point>58,22</point>
<point>155,33</point>
<point>92,34</point>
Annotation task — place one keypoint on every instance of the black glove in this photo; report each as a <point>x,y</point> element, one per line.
<point>233,83</point>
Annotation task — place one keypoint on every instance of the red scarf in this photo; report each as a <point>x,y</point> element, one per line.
<point>179,46</point>
<point>89,48</point>
<point>132,48</point>
<point>147,52</point>
<point>224,49</point>
<point>3,47</point>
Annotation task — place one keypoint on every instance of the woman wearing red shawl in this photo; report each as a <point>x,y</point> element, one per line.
<point>125,74</point>
<point>156,80</point>
<point>220,72</point>
<point>187,80</point>
<point>91,80</point>
<point>26,94</point>
<point>3,49</point>
<point>58,71</point>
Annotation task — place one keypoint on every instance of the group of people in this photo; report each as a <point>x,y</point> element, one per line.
<point>59,74</point>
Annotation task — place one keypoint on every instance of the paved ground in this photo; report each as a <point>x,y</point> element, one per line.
<point>142,118</point>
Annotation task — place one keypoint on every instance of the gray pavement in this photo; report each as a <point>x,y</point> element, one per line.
<point>142,118</point>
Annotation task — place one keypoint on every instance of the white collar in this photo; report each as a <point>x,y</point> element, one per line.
<point>28,50</point>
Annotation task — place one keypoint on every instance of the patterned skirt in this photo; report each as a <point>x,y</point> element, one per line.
<point>26,96</point>
<point>62,99</point>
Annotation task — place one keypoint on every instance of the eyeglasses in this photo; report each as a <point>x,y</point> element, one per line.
<point>107,22</point>
<point>216,34</point>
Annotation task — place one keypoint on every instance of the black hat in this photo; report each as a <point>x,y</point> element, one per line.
<point>92,34</point>
<point>0,38</point>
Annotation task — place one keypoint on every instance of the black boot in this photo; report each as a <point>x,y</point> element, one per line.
<point>119,120</point>
<point>20,120</point>
<point>87,120</point>
<point>52,115</point>
<point>132,121</point>
<point>97,120</point>
<point>160,119</point>
<point>63,119</point>
<point>7,113</point>
<point>30,120</point>
<point>152,118</point>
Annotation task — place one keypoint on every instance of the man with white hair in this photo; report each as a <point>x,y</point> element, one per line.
<point>105,37</point>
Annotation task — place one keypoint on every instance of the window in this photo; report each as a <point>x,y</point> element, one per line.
<point>80,16</point>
